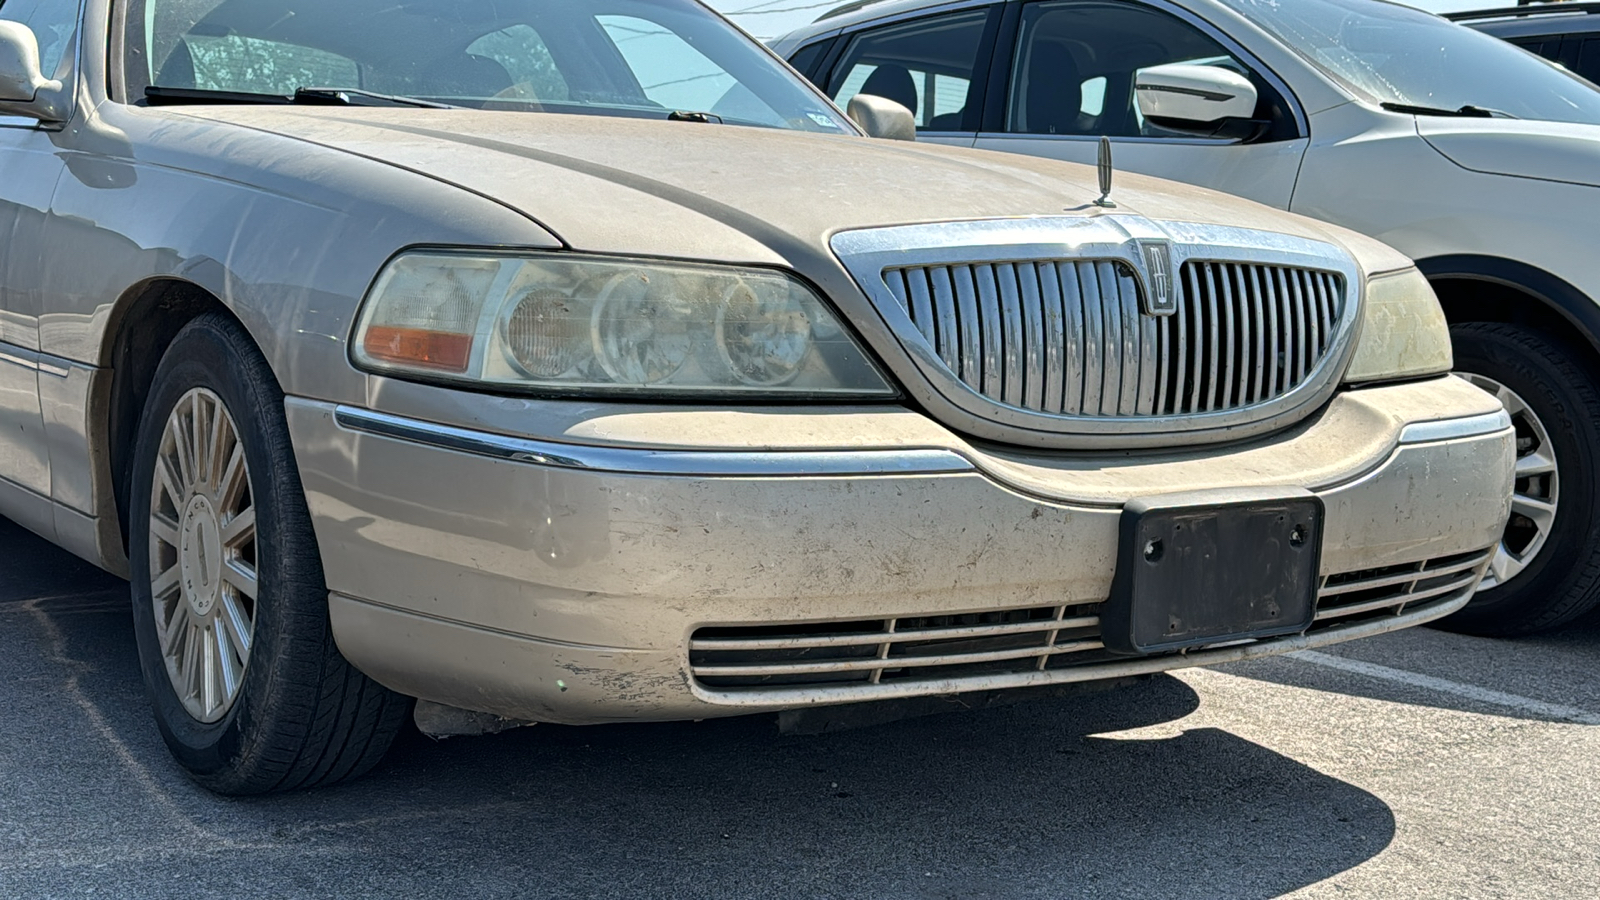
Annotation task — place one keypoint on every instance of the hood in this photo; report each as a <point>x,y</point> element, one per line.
<point>1548,151</point>
<point>731,194</point>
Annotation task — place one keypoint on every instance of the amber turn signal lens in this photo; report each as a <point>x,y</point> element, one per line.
<point>440,350</point>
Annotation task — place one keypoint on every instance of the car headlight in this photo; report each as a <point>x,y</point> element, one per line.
<point>595,325</point>
<point>1403,331</point>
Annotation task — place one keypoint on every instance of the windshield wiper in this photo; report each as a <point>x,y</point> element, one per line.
<point>1466,112</point>
<point>703,118</point>
<point>340,96</point>
<point>309,96</point>
<point>175,96</point>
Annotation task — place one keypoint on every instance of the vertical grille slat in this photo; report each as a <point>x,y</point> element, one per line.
<point>1132,364</point>
<point>945,317</point>
<point>1032,352</point>
<point>1012,323</point>
<point>1297,336</point>
<point>1258,367</point>
<point>1070,337</point>
<point>1229,300</point>
<point>1077,338</point>
<point>1056,338</point>
<point>990,332</point>
<point>1213,339</point>
<point>1093,339</point>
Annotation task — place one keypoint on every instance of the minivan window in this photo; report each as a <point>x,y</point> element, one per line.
<point>639,58</point>
<point>927,66</point>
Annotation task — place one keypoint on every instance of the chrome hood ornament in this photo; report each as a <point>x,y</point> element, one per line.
<point>1105,201</point>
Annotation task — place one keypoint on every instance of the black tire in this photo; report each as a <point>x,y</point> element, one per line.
<point>303,717</point>
<point>1562,581</point>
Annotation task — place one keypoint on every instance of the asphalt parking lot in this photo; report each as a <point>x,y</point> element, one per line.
<point>1419,765</point>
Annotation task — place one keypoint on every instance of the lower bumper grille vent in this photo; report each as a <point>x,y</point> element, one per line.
<point>949,648</point>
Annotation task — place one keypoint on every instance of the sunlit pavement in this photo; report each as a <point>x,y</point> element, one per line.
<point>1419,765</point>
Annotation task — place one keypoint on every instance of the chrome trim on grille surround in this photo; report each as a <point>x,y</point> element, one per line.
<point>1117,239</point>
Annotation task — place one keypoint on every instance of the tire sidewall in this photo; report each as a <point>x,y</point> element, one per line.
<point>205,356</point>
<point>1574,438</point>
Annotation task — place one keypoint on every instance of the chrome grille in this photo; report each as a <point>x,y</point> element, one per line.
<point>971,646</point>
<point>1069,337</point>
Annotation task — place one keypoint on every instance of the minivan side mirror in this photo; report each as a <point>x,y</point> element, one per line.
<point>24,91</point>
<point>881,117</point>
<point>1202,100</point>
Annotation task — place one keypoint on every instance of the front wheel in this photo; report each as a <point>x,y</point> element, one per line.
<point>1546,571</point>
<point>230,607</point>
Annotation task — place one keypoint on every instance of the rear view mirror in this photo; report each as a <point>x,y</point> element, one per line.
<point>881,117</point>
<point>24,91</point>
<point>1200,100</point>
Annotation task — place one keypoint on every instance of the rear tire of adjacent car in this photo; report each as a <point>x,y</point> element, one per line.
<point>1555,404</point>
<point>250,692</point>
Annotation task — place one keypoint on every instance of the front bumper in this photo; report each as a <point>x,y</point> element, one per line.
<point>578,584</point>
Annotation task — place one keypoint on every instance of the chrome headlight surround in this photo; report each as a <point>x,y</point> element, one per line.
<point>1404,333</point>
<point>564,323</point>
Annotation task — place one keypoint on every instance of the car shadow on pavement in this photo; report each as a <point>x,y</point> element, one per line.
<point>1052,797</point>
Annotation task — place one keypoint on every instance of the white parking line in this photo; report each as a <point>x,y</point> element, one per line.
<point>1445,686</point>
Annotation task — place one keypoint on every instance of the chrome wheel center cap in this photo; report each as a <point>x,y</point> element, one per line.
<point>200,555</point>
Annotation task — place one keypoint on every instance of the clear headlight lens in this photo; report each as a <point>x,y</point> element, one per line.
<point>1403,332</point>
<point>591,324</point>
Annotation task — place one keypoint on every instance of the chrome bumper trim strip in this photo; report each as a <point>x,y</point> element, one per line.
<point>1451,429</point>
<point>638,461</point>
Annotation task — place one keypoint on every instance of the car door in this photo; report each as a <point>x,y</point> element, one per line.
<point>29,170</point>
<point>932,65</point>
<point>1070,68</point>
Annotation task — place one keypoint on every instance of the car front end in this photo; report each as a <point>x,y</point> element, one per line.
<point>648,489</point>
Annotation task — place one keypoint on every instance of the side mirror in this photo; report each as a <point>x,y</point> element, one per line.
<point>24,91</point>
<point>1201,100</point>
<point>881,117</point>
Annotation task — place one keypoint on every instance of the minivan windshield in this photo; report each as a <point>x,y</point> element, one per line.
<point>641,58</point>
<point>1386,53</point>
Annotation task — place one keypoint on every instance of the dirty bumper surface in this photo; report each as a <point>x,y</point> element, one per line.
<point>558,592</point>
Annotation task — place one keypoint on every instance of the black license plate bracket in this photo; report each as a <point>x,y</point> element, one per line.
<point>1212,567</point>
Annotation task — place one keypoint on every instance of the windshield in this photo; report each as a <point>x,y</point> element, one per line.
<point>650,58</point>
<point>1392,54</point>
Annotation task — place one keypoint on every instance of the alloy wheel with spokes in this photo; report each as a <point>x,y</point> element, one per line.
<point>203,569</point>
<point>1537,492</point>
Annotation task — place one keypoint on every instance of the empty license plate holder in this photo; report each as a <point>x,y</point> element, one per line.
<point>1213,567</point>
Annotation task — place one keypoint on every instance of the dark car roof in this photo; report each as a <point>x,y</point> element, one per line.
<point>1533,20</point>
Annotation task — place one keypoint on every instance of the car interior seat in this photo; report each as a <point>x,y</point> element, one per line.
<point>1054,99</point>
<point>893,82</point>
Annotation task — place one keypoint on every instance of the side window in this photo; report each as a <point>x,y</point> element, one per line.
<point>1589,59</point>
<point>527,62</point>
<point>927,66</point>
<point>235,63</point>
<point>52,21</point>
<point>1076,62</point>
<point>1549,49</point>
<point>806,58</point>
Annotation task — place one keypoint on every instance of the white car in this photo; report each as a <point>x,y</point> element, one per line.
<point>1474,157</point>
